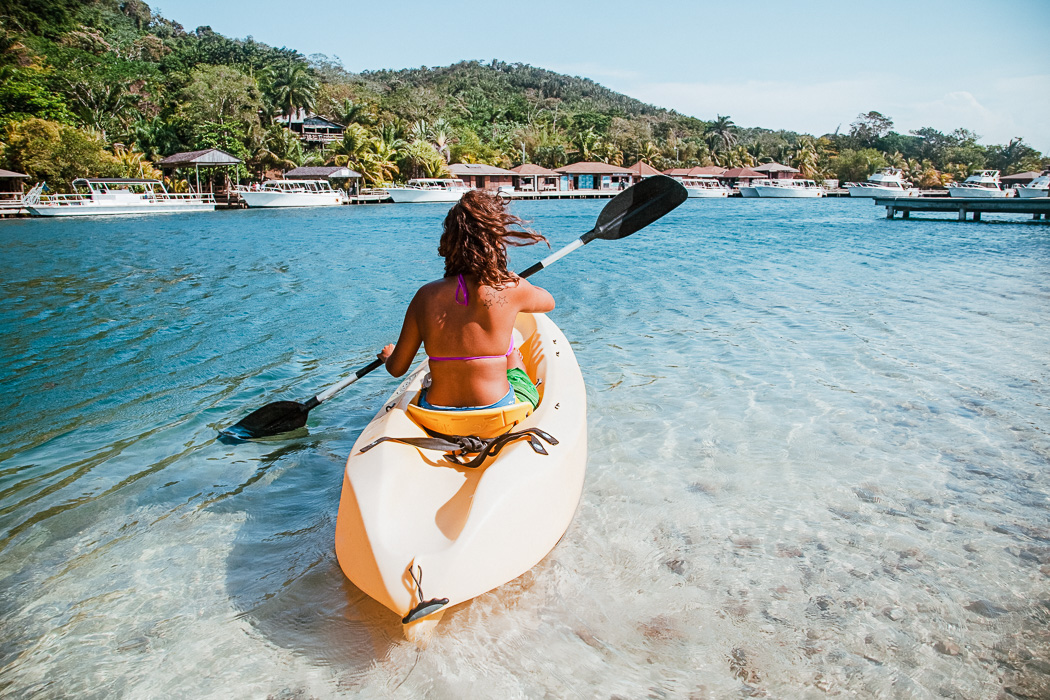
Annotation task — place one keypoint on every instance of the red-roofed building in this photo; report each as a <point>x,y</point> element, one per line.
<point>697,171</point>
<point>776,171</point>
<point>597,176</point>
<point>483,177</point>
<point>642,170</point>
<point>736,177</point>
<point>535,178</point>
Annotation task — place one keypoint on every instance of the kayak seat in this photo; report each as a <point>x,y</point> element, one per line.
<point>482,422</point>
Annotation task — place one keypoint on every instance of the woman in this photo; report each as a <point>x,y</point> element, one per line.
<point>465,320</point>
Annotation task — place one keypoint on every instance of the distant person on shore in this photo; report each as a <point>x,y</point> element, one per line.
<point>465,320</point>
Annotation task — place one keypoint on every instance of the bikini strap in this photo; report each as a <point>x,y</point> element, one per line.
<point>461,286</point>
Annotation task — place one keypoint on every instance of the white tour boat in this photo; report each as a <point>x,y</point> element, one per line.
<point>888,182</point>
<point>429,189</point>
<point>1039,187</point>
<point>704,187</point>
<point>982,184</point>
<point>292,193</point>
<point>749,190</point>
<point>98,196</point>
<point>790,188</point>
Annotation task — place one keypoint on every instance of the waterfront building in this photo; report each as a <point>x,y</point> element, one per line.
<point>740,177</point>
<point>695,172</point>
<point>535,178</point>
<point>209,158</point>
<point>776,171</point>
<point>483,177</point>
<point>597,176</point>
<point>12,186</point>
<point>313,128</point>
<point>642,170</point>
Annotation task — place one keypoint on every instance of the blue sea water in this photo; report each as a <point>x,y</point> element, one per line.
<point>819,447</point>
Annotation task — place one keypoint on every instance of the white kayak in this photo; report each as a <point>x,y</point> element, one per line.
<point>420,534</point>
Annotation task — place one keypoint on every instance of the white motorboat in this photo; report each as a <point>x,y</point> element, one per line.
<point>888,182</point>
<point>1039,187</point>
<point>983,184</point>
<point>749,190</point>
<point>108,196</point>
<point>429,189</point>
<point>704,187</point>
<point>790,188</point>
<point>293,193</point>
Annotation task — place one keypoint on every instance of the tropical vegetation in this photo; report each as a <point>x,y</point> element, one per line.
<point>109,87</point>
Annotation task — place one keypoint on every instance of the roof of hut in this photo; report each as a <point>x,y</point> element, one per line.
<point>209,156</point>
<point>533,169</point>
<point>317,172</point>
<point>458,169</point>
<point>589,168</point>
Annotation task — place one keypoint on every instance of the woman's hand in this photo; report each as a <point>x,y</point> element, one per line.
<point>385,353</point>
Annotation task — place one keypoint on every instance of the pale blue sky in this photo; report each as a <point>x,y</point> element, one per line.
<point>790,64</point>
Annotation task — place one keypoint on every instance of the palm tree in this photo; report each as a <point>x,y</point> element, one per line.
<point>292,88</point>
<point>805,158</point>
<point>353,149</point>
<point>350,112</point>
<point>723,131</point>
<point>649,153</point>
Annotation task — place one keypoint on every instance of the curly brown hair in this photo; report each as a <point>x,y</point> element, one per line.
<point>476,237</point>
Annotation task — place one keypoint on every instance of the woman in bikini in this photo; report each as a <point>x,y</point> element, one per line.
<point>465,320</point>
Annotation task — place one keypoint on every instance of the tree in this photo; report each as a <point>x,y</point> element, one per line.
<point>57,153</point>
<point>723,133</point>
<point>805,158</point>
<point>856,166</point>
<point>870,127</point>
<point>292,88</point>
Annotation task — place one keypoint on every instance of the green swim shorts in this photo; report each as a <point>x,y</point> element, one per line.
<point>524,389</point>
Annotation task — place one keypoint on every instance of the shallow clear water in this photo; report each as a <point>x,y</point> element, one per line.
<point>818,458</point>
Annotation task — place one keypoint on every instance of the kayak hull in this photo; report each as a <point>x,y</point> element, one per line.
<point>404,509</point>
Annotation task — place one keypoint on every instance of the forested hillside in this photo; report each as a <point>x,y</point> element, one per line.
<point>108,87</point>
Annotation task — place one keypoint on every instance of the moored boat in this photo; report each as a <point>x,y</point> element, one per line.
<point>419,533</point>
<point>749,191</point>
<point>108,196</point>
<point>789,188</point>
<point>428,189</point>
<point>704,187</point>
<point>292,193</point>
<point>1039,187</point>
<point>982,184</point>
<point>888,182</point>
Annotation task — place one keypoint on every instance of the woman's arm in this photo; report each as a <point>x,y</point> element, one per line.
<point>398,358</point>
<point>534,299</point>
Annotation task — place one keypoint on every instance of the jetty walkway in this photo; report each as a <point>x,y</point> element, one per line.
<point>1037,206</point>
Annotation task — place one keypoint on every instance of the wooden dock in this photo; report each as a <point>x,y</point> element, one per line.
<point>961,207</point>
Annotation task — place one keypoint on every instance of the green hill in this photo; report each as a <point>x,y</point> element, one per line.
<point>110,86</point>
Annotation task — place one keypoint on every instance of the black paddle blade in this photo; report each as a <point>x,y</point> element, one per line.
<point>637,207</point>
<point>272,419</point>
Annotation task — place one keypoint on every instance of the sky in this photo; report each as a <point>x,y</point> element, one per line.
<point>800,65</point>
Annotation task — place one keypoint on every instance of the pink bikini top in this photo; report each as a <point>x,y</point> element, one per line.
<point>461,287</point>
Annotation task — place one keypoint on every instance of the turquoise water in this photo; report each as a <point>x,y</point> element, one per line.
<point>819,458</point>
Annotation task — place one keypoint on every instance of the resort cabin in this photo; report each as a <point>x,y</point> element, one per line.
<point>596,176</point>
<point>699,171</point>
<point>1020,179</point>
<point>208,160</point>
<point>483,177</point>
<point>740,177</point>
<point>776,171</point>
<point>313,128</point>
<point>642,170</point>
<point>326,172</point>
<point>535,178</point>
<point>12,185</point>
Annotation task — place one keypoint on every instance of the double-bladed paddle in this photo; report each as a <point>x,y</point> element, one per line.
<point>631,210</point>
